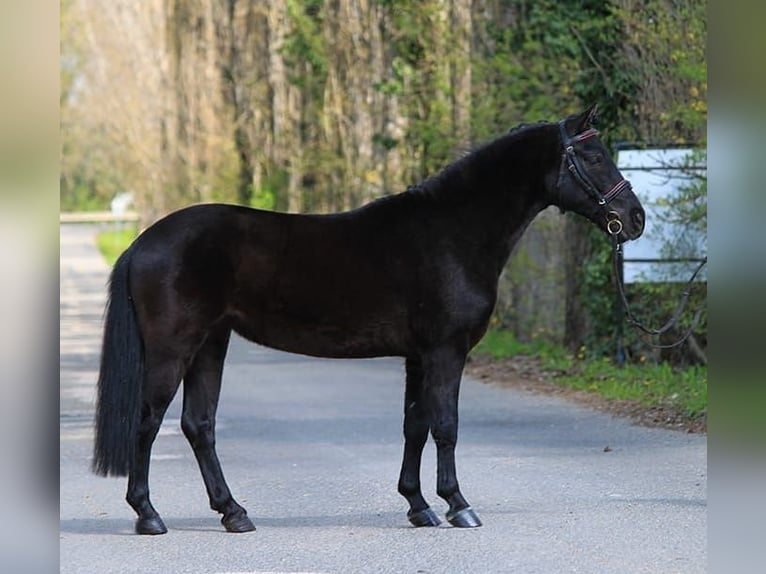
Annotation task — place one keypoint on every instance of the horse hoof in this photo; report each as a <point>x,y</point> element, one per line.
<point>465,518</point>
<point>238,523</point>
<point>425,517</point>
<point>153,525</point>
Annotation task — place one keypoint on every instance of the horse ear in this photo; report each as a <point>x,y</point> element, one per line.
<point>588,118</point>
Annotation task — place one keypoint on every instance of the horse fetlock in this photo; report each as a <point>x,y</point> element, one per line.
<point>451,494</point>
<point>139,501</point>
<point>408,488</point>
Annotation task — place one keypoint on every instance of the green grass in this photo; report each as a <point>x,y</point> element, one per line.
<point>113,242</point>
<point>684,390</point>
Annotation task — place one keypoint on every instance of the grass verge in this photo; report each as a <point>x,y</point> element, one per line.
<point>113,242</point>
<point>649,385</point>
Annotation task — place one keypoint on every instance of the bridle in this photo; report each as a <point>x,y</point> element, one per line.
<point>614,227</point>
<point>575,167</point>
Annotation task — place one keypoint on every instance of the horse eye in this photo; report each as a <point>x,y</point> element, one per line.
<point>594,158</point>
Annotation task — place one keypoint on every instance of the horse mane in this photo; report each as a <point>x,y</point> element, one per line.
<point>439,184</point>
<point>527,126</point>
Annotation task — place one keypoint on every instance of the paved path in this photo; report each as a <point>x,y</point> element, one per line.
<point>312,448</point>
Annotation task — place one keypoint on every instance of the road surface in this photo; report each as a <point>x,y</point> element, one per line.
<point>312,449</point>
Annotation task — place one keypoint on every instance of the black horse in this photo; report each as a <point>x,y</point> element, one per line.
<point>412,275</point>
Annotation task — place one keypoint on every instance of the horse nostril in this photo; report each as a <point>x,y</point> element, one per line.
<point>638,218</point>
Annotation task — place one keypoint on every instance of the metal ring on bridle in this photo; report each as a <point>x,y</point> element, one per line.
<point>613,224</point>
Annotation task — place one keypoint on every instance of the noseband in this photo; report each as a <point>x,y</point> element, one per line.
<point>575,167</point>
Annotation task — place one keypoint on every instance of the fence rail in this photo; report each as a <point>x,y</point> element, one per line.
<point>97,217</point>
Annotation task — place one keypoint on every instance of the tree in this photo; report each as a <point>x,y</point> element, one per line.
<point>322,105</point>
<point>657,85</point>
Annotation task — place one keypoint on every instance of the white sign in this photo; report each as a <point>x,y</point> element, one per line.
<point>121,202</point>
<point>657,177</point>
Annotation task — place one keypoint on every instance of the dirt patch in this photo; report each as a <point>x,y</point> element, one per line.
<point>526,373</point>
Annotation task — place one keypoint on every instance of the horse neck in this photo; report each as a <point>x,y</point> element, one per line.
<point>498,190</point>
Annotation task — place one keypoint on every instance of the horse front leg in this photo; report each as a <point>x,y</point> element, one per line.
<point>415,436</point>
<point>443,370</point>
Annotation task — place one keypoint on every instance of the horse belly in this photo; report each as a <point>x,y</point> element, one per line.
<point>340,335</point>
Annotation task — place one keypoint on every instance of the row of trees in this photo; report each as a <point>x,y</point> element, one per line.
<point>320,105</point>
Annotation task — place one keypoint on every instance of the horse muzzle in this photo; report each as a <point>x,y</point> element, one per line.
<point>625,231</point>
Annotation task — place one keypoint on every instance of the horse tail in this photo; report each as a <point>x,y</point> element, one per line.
<point>118,405</point>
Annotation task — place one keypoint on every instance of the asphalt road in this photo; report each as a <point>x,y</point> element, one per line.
<point>312,449</point>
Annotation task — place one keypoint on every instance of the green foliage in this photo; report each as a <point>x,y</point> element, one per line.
<point>80,196</point>
<point>642,61</point>
<point>687,209</point>
<point>646,382</point>
<point>112,243</point>
<point>598,293</point>
<point>526,72</point>
<point>650,385</point>
<point>419,76</point>
<point>305,44</point>
<point>654,304</point>
<point>263,198</point>
<point>655,48</point>
<point>685,216</point>
<point>500,344</point>
<point>664,43</point>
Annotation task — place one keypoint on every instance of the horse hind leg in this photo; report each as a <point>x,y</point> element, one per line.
<point>202,385</point>
<point>161,380</point>
<point>415,437</point>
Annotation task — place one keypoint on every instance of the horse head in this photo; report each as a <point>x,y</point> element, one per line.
<point>590,184</point>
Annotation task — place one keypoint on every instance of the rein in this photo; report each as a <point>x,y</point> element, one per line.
<point>614,228</point>
<point>676,315</point>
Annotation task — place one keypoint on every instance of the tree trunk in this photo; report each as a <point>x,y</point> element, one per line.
<point>462,32</point>
<point>235,92</point>
<point>578,249</point>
